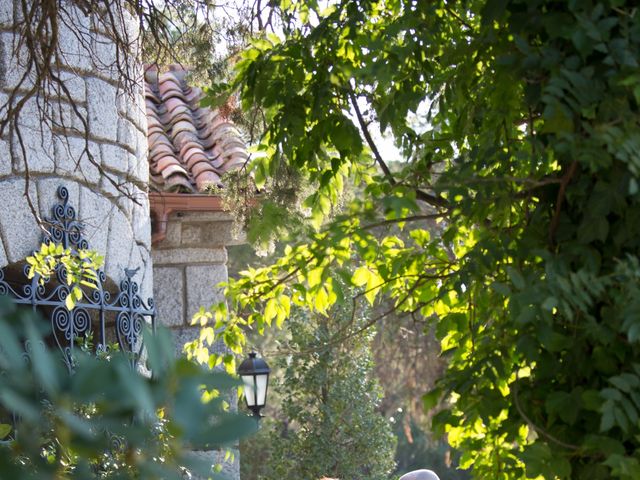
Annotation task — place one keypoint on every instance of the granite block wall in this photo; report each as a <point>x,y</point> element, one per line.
<point>92,140</point>
<point>188,264</point>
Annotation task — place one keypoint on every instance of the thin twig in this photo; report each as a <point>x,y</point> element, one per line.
<point>566,178</point>
<point>532,425</point>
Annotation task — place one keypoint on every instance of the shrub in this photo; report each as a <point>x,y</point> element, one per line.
<point>104,420</point>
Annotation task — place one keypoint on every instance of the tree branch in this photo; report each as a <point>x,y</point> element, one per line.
<point>369,139</point>
<point>459,18</point>
<point>413,218</point>
<point>536,428</point>
<point>566,178</point>
<point>434,200</point>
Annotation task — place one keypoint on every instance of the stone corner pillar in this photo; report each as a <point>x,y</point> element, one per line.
<point>191,233</point>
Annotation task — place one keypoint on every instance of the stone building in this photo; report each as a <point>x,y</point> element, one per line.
<point>136,164</point>
<point>190,147</point>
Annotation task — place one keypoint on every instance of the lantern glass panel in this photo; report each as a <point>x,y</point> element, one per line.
<point>249,390</point>
<point>262,388</point>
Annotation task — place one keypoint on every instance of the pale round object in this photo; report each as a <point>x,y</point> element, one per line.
<point>420,475</point>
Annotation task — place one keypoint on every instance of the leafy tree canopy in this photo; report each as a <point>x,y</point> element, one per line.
<point>518,123</point>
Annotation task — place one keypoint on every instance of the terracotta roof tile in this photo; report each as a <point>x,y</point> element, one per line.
<point>190,147</point>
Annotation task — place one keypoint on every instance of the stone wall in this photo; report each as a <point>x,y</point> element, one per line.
<point>187,265</point>
<point>98,153</point>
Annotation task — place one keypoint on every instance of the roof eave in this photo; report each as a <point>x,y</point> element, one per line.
<point>163,204</point>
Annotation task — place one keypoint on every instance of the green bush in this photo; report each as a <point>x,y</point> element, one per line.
<point>104,420</point>
<point>330,398</point>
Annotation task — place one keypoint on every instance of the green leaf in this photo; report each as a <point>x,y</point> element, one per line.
<point>77,293</point>
<point>516,278</point>
<point>5,430</point>
<point>501,288</point>
<point>431,399</point>
<point>270,310</point>
<point>607,421</point>
<point>623,466</point>
<point>593,229</point>
<point>69,302</point>
<point>361,276</point>
<point>563,404</point>
<point>493,10</point>
<point>549,303</point>
<point>374,284</point>
<point>321,300</point>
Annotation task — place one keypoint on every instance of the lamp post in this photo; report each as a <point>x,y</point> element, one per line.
<point>254,373</point>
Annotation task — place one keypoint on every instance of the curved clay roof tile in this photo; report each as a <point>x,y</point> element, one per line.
<point>234,164</point>
<point>198,157</point>
<point>223,131</point>
<point>173,169</point>
<point>218,151</point>
<point>237,152</point>
<point>208,179</point>
<point>188,145</point>
<point>182,138</point>
<point>167,161</point>
<point>217,132</point>
<point>170,77</point>
<point>227,127</point>
<point>164,88</point>
<point>180,117</point>
<point>160,149</point>
<point>218,162</point>
<point>153,119</point>
<point>175,102</point>
<point>157,131</point>
<point>171,92</point>
<point>182,112</point>
<point>229,143</point>
<point>194,96</point>
<point>199,168</point>
<point>178,182</point>
<point>206,114</point>
<point>183,126</point>
<point>150,95</point>
<point>207,118</point>
<point>151,76</point>
<point>157,136</point>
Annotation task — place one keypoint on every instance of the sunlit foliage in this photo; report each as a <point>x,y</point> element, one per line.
<point>518,122</point>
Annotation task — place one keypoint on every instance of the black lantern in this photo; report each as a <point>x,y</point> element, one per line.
<point>255,375</point>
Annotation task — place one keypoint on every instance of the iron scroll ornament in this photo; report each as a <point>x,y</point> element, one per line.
<point>72,326</point>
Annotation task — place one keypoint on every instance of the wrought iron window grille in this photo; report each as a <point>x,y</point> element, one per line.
<point>127,313</point>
